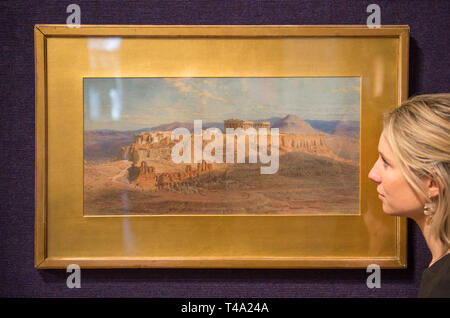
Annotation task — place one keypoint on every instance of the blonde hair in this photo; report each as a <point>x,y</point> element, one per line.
<point>418,132</point>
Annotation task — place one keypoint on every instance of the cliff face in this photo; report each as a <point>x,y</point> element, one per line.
<point>147,145</point>
<point>313,144</point>
<point>157,146</point>
<point>148,178</point>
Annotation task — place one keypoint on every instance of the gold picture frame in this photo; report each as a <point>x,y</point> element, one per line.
<point>63,235</point>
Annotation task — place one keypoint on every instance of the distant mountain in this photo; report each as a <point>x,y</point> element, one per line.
<point>172,126</point>
<point>293,124</point>
<point>271,120</point>
<point>188,125</point>
<point>103,145</point>
<point>346,128</point>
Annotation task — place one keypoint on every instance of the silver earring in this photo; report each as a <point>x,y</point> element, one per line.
<point>429,208</point>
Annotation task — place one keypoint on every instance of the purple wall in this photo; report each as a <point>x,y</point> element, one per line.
<point>429,73</point>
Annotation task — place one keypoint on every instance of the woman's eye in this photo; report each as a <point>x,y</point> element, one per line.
<point>385,163</point>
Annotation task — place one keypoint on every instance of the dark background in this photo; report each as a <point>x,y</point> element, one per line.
<point>429,73</point>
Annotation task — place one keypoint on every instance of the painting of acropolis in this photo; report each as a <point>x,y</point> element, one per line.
<point>221,146</point>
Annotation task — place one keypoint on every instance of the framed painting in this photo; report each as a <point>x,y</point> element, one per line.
<point>214,146</point>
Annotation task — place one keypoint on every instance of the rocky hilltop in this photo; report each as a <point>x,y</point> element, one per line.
<point>158,146</point>
<point>342,136</point>
<point>150,147</point>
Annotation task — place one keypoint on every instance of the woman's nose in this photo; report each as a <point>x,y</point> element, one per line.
<point>374,175</point>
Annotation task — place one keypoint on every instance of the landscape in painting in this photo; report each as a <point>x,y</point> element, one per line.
<point>221,146</point>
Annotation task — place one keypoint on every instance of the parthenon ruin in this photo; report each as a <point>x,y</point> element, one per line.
<point>244,124</point>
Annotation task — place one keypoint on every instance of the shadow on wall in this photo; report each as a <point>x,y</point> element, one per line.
<point>415,66</point>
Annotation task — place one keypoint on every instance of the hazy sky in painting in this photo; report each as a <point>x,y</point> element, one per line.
<point>136,103</point>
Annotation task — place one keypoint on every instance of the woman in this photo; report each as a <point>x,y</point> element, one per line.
<point>412,174</point>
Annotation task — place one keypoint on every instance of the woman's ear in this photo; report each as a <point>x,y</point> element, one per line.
<point>433,188</point>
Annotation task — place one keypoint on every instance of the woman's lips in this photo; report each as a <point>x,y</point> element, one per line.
<point>380,196</point>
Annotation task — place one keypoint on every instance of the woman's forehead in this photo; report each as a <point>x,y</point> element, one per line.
<point>383,144</point>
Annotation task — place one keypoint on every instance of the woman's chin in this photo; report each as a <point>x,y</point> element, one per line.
<point>414,214</point>
<point>389,211</point>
